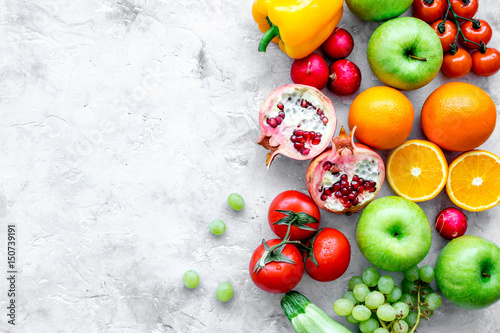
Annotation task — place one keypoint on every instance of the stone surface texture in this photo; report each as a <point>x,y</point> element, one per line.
<point>125,125</point>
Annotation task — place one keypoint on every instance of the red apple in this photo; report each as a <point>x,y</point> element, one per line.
<point>339,45</point>
<point>451,223</point>
<point>345,77</point>
<point>311,71</point>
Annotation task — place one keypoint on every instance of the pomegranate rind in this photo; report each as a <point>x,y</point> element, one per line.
<point>347,157</point>
<point>272,138</point>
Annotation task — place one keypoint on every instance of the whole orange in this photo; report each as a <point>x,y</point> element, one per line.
<point>383,117</point>
<point>458,116</point>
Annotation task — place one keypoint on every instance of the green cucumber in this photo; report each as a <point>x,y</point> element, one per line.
<point>307,317</point>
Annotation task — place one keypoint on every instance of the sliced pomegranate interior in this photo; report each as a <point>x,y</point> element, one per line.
<point>346,177</point>
<point>297,121</point>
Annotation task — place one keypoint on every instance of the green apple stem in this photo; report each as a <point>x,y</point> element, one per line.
<point>416,58</point>
<point>487,275</point>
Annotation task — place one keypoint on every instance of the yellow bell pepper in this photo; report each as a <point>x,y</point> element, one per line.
<point>298,26</point>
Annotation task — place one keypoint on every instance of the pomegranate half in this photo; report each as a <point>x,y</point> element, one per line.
<point>297,121</point>
<point>346,177</point>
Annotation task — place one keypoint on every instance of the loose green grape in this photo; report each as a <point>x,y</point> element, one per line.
<point>385,284</point>
<point>400,326</point>
<point>386,312</point>
<point>354,281</point>
<point>350,296</point>
<point>224,291</point>
<point>381,330</point>
<point>236,201</point>
<point>411,319</point>
<point>369,325</point>
<point>351,319</point>
<point>360,292</point>
<point>191,279</point>
<point>411,300</point>
<point>411,274</point>
<point>343,307</point>
<point>217,227</point>
<point>433,301</point>
<point>361,313</point>
<point>402,309</point>
<point>426,273</point>
<point>370,276</point>
<point>394,295</point>
<point>424,292</point>
<point>374,299</point>
<point>409,287</point>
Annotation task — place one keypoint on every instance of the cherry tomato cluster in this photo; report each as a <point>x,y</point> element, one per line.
<point>277,265</point>
<point>463,37</point>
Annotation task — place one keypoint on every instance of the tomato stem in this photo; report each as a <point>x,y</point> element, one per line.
<point>455,18</point>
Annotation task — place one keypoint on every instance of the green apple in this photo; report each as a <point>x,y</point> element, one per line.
<point>468,272</point>
<point>405,53</point>
<point>393,233</point>
<point>378,10</point>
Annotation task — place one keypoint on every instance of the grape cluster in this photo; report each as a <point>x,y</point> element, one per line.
<point>379,306</point>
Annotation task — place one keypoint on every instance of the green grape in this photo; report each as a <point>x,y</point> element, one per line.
<point>361,313</point>
<point>224,291</point>
<point>424,292</point>
<point>369,325</point>
<point>191,279</point>
<point>411,274</point>
<point>394,295</point>
<point>217,227</point>
<point>385,284</point>
<point>411,300</point>
<point>370,276</point>
<point>386,312</point>
<point>424,310</point>
<point>343,307</point>
<point>350,296</point>
<point>426,273</point>
<point>360,292</point>
<point>400,326</point>
<point>402,309</point>
<point>409,287</point>
<point>374,299</point>
<point>381,330</point>
<point>411,319</point>
<point>236,201</point>
<point>433,301</point>
<point>351,319</point>
<point>354,281</point>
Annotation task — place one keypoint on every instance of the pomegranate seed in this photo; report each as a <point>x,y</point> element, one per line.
<point>305,151</point>
<point>313,134</point>
<point>355,178</point>
<point>360,189</point>
<point>349,189</point>
<point>344,184</point>
<point>354,184</point>
<point>336,186</point>
<point>361,181</point>
<point>372,189</point>
<point>324,120</point>
<point>351,196</point>
<point>282,114</point>
<point>324,197</point>
<point>307,135</point>
<point>298,145</point>
<point>338,194</point>
<point>272,122</point>
<point>318,135</point>
<point>298,132</point>
<point>319,112</point>
<point>344,199</point>
<point>280,106</point>
<point>343,177</point>
<point>347,205</point>
<point>303,103</point>
<point>328,191</point>
<point>300,138</point>
<point>279,120</point>
<point>327,165</point>
<point>316,141</point>
<point>355,201</point>
<point>343,191</point>
<point>372,183</point>
<point>293,138</point>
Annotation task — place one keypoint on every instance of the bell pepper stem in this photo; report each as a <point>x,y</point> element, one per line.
<point>268,37</point>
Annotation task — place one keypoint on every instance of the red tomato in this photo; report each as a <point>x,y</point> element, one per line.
<point>487,63</point>
<point>429,10</point>
<point>332,252</point>
<point>456,65</point>
<point>302,211</point>
<point>464,8</point>
<point>277,276</point>
<point>447,38</point>
<point>477,31</point>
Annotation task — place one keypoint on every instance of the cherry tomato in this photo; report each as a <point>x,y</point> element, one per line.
<point>449,34</point>
<point>456,65</point>
<point>477,31</point>
<point>332,253</point>
<point>464,8</point>
<point>487,63</point>
<point>302,211</point>
<point>429,10</point>
<point>277,276</point>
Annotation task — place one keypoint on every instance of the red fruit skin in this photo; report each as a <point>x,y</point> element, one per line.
<point>483,34</point>
<point>345,77</point>
<point>333,254</point>
<point>311,71</point>
<point>339,45</point>
<point>487,63</point>
<point>451,223</point>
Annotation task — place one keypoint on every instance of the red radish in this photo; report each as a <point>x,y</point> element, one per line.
<point>311,71</point>
<point>451,223</point>
<point>345,77</point>
<point>339,45</point>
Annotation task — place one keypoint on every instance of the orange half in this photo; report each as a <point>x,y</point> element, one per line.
<point>474,180</point>
<point>417,170</point>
